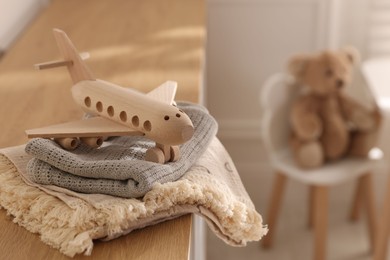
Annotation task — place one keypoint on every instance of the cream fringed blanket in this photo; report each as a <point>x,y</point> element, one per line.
<point>70,221</point>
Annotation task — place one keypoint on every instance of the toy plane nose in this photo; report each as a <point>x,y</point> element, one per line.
<point>187,132</point>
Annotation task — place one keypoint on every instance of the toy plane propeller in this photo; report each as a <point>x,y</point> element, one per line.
<point>117,111</point>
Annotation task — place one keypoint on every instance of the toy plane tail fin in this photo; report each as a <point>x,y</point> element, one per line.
<point>77,68</point>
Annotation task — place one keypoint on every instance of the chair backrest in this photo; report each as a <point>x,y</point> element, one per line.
<point>276,96</point>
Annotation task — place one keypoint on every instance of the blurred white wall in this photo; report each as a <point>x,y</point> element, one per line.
<point>14,16</point>
<point>248,41</point>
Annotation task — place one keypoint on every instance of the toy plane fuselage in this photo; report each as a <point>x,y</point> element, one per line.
<point>157,120</point>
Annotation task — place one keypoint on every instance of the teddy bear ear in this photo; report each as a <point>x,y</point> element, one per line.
<point>352,54</point>
<point>297,65</point>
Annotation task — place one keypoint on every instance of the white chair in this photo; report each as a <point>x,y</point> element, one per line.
<point>276,97</point>
<point>377,73</point>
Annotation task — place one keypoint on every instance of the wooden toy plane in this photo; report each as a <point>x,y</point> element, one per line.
<point>117,111</point>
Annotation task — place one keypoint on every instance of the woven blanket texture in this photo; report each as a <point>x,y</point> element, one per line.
<point>118,167</point>
<point>70,221</point>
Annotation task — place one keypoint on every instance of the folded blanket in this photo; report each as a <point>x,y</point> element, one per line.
<point>118,167</point>
<point>69,221</point>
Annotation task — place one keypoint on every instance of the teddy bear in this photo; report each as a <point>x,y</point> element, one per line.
<point>326,123</point>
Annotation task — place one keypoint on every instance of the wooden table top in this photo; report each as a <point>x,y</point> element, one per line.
<point>133,43</point>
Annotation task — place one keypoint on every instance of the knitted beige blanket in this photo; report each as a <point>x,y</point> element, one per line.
<point>70,221</point>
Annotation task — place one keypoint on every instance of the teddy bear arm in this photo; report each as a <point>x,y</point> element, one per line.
<point>362,118</point>
<point>306,122</point>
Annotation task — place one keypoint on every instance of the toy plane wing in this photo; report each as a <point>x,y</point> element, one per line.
<point>91,127</point>
<point>165,92</point>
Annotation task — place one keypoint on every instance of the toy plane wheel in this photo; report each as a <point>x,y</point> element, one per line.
<point>155,155</point>
<point>67,143</point>
<point>93,142</point>
<point>175,153</point>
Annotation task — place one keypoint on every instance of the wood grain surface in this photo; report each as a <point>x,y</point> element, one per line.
<point>132,43</point>
<point>167,240</point>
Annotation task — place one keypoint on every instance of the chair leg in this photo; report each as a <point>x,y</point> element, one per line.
<point>320,221</point>
<point>311,207</point>
<point>369,204</point>
<point>381,241</point>
<point>273,208</point>
<point>357,201</point>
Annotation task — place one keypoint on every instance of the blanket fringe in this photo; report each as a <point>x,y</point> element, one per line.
<point>41,213</point>
<point>238,223</point>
